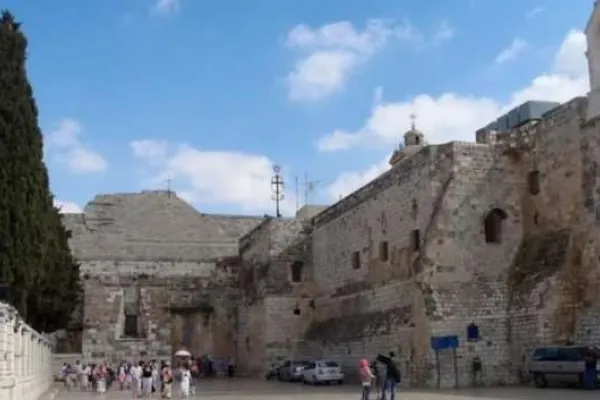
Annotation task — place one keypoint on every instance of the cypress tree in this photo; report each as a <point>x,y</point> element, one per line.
<point>35,260</point>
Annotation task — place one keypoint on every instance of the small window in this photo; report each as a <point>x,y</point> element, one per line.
<point>533,181</point>
<point>356,260</point>
<point>384,251</point>
<point>416,239</point>
<point>297,271</point>
<point>415,209</point>
<point>131,326</point>
<point>493,225</point>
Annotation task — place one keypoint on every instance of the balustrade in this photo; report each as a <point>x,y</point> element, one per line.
<point>25,358</point>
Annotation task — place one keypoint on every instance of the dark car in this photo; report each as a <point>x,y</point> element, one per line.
<point>291,371</point>
<point>272,371</point>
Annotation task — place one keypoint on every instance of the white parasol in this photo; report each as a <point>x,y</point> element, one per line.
<point>183,353</point>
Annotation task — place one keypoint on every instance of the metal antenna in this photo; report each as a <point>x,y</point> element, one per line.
<point>169,179</point>
<point>277,186</point>
<point>309,187</point>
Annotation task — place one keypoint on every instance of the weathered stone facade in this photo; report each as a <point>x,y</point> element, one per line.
<point>502,234</point>
<point>157,276</point>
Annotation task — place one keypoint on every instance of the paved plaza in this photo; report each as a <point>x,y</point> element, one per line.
<point>239,389</point>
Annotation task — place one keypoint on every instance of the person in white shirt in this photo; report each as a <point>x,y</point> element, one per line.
<point>136,379</point>
<point>86,371</point>
<point>186,380</point>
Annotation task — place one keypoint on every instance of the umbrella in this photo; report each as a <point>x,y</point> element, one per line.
<point>183,353</point>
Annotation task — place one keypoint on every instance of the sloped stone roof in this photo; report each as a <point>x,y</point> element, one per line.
<point>153,225</point>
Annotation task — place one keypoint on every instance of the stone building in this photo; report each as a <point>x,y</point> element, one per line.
<point>156,275</point>
<point>498,240</point>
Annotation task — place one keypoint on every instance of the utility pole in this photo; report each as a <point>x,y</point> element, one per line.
<point>309,187</point>
<point>297,187</point>
<point>277,186</point>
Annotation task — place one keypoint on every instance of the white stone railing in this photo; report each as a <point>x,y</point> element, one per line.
<point>25,358</point>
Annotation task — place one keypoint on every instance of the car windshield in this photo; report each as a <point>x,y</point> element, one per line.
<point>581,351</point>
<point>331,364</point>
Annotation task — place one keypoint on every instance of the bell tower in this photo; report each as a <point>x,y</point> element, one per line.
<point>592,33</point>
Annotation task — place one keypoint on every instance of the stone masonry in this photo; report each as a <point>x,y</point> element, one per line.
<point>502,234</point>
<point>156,276</point>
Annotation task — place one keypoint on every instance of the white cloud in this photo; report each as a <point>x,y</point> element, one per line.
<point>330,53</point>
<point>514,49</point>
<point>229,178</point>
<point>443,32</point>
<point>348,182</point>
<point>67,207</point>
<point>151,151</point>
<point>65,145</point>
<point>166,7</point>
<point>451,116</point>
<point>534,12</point>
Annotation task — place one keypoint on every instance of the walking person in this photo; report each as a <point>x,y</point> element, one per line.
<point>186,378</point>
<point>155,378</point>
<point>101,376</point>
<point>122,375</point>
<point>146,380</point>
<point>136,379</point>
<point>366,378</point>
<point>86,371</point>
<point>392,375</point>
<point>377,378</point>
<point>590,371</point>
<point>167,377</point>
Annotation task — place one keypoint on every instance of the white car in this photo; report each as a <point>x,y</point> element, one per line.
<point>322,372</point>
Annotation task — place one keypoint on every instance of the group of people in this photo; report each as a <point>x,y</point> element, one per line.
<point>370,377</point>
<point>86,376</point>
<point>144,379</point>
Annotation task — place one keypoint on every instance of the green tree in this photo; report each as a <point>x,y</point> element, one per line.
<point>35,260</point>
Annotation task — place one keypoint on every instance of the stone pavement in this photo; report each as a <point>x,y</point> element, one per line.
<point>240,389</point>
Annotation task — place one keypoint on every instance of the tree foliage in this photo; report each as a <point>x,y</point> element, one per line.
<point>35,260</point>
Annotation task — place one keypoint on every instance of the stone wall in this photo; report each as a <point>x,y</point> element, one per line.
<point>26,367</point>
<point>267,322</point>
<point>179,304</point>
<point>413,255</point>
<point>153,257</point>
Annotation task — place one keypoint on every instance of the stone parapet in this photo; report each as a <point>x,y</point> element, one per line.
<point>26,362</point>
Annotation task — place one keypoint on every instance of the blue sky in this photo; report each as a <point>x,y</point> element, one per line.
<point>207,95</point>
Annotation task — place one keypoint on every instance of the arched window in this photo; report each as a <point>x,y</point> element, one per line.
<point>493,225</point>
<point>296,268</point>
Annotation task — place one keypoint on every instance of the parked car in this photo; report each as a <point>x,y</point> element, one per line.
<point>291,371</point>
<point>559,365</point>
<point>272,371</point>
<point>323,371</point>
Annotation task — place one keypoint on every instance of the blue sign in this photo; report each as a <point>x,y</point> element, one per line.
<point>472,333</point>
<point>444,342</point>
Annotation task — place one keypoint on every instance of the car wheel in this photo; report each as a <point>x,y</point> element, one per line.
<point>540,380</point>
<point>279,376</point>
<point>341,382</point>
<point>314,380</point>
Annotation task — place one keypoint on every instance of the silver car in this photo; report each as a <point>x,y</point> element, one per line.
<point>559,365</point>
<point>291,371</point>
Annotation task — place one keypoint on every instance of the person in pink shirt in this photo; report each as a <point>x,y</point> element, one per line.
<point>366,378</point>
